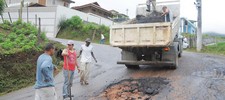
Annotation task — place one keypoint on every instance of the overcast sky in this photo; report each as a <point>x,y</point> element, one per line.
<point>213,13</point>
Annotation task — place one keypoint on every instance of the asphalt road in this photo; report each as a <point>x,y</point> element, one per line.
<point>198,77</point>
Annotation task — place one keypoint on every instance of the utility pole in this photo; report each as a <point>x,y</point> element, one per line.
<point>127,10</point>
<point>198,4</point>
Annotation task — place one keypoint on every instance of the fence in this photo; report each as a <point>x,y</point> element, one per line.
<point>50,17</point>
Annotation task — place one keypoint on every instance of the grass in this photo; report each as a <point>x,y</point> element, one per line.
<point>217,49</point>
<point>18,67</point>
<point>19,70</point>
<point>69,34</point>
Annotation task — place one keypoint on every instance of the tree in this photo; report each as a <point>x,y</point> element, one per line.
<point>2,7</point>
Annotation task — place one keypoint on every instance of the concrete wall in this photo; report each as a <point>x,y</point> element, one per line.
<point>50,17</point>
<point>47,15</point>
<point>48,2</point>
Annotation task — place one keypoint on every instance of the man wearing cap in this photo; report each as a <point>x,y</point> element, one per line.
<point>70,62</point>
<point>86,54</point>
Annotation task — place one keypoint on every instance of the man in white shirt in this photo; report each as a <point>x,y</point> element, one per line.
<point>86,54</point>
<point>102,41</point>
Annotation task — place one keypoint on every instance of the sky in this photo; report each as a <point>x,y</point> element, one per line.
<point>212,11</point>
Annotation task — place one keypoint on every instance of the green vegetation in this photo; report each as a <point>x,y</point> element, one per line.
<point>2,6</point>
<point>20,49</point>
<point>22,38</point>
<point>75,29</point>
<point>217,49</point>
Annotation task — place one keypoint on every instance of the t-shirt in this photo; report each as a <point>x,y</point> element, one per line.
<point>102,36</point>
<point>169,17</point>
<point>86,53</point>
<point>71,58</point>
<point>44,72</point>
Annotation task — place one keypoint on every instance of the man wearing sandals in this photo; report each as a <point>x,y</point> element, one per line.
<point>86,54</point>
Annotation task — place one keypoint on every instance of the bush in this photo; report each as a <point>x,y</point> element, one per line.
<point>6,22</point>
<point>75,23</point>
<point>74,28</point>
<point>18,55</point>
<point>23,37</point>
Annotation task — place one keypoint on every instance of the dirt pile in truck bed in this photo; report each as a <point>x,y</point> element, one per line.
<point>135,89</point>
<point>154,17</point>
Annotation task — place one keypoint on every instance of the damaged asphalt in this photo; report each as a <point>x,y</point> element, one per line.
<point>198,77</point>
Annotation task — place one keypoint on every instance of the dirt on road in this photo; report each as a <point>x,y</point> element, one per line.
<point>134,89</point>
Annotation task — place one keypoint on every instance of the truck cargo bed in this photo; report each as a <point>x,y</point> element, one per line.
<point>147,34</point>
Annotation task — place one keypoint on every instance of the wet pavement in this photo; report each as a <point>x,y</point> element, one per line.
<point>198,77</point>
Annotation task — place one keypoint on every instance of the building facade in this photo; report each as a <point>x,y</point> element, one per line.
<point>119,17</point>
<point>188,26</point>
<point>94,8</point>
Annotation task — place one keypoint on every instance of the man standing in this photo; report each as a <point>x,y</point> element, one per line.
<point>167,14</point>
<point>45,86</point>
<point>102,41</point>
<point>86,54</point>
<point>148,3</point>
<point>70,62</point>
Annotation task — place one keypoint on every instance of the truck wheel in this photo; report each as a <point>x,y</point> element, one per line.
<point>175,63</point>
<point>132,66</point>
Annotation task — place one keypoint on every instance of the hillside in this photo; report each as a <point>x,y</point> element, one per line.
<point>215,34</point>
<point>20,48</point>
<point>75,29</point>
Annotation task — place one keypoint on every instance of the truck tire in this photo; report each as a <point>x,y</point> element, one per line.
<point>175,63</point>
<point>132,66</point>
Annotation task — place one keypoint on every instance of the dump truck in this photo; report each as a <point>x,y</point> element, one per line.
<point>151,43</point>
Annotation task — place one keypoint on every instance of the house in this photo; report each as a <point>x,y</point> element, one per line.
<point>188,26</point>
<point>94,8</point>
<point>119,17</point>
<point>14,3</point>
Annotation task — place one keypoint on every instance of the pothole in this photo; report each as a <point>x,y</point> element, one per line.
<point>135,89</point>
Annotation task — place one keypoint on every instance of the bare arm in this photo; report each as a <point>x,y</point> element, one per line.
<point>79,54</point>
<point>92,54</point>
<point>166,12</point>
<point>65,52</point>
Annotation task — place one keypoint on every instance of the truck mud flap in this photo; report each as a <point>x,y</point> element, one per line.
<point>167,63</point>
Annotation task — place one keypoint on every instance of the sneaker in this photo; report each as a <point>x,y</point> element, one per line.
<point>65,96</point>
<point>86,83</point>
<point>71,96</point>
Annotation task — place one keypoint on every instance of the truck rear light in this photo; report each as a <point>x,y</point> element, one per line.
<point>166,49</point>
